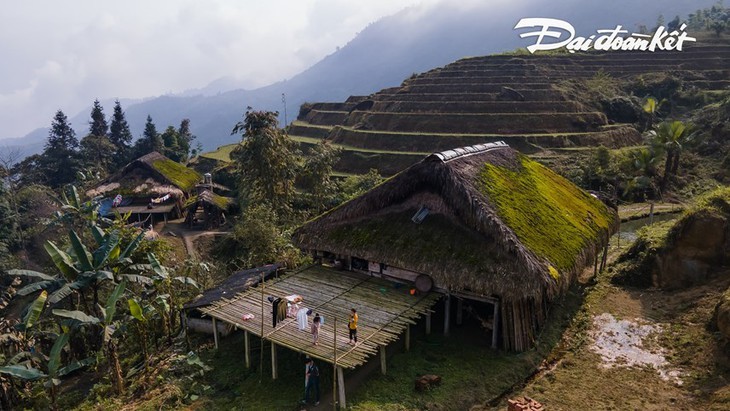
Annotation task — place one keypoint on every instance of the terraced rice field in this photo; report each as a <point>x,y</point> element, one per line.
<point>517,99</point>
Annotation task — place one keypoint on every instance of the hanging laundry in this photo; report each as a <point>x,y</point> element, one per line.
<point>302,319</point>
<point>274,311</point>
<point>281,310</point>
<point>292,310</point>
<point>160,199</point>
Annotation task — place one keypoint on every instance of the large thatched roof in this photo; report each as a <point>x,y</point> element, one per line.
<point>151,174</point>
<point>498,223</point>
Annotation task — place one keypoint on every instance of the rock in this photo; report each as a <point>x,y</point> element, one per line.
<point>426,382</point>
<point>700,244</point>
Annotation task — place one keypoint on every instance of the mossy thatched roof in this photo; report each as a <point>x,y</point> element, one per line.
<point>211,198</point>
<point>151,174</point>
<point>499,223</point>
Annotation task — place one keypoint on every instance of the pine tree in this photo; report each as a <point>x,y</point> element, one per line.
<point>97,152</point>
<point>59,161</point>
<point>120,136</point>
<point>98,125</point>
<point>150,141</point>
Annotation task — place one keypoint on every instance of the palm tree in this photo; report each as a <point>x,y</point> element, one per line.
<point>671,136</point>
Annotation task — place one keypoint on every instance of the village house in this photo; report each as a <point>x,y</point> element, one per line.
<point>477,224</point>
<point>151,188</point>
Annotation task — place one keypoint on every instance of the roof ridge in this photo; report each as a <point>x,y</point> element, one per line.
<point>462,152</point>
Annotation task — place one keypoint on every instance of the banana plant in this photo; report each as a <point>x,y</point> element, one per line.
<point>111,329</point>
<point>54,371</point>
<point>80,269</point>
<point>167,300</point>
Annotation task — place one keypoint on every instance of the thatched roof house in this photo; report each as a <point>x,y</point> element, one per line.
<point>207,209</point>
<point>150,177</point>
<point>483,220</point>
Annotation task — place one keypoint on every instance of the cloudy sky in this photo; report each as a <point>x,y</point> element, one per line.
<point>64,54</point>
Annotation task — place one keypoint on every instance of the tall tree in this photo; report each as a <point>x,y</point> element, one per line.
<point>265,161</point>
<point>59,160</point>
<point>8,222</point>
<point>185,138</point>
<point>150,141</point>
<point>97,152</point>
<point>317,173</point>
<point>120,136</point>
<point>98,125</point>
<point>170,140</point>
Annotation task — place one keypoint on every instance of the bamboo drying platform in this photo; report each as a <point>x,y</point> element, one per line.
<point>384,311</point>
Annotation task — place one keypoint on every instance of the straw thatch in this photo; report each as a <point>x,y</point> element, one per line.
<point>207,208</point>
<point>209,199</point>
<point>152,175</point>
<point>466,242</point>
<point>499,224</point>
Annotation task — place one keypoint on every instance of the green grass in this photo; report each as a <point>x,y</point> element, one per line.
<point>312,140</point>
<point>223,153</point>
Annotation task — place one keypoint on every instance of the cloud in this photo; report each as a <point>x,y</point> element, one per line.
<point>61,55</point>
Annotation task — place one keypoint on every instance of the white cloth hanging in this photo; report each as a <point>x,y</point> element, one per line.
<point>302,319</point>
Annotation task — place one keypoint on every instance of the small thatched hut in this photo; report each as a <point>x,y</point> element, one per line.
<point>207,209</point>
<point>152,185</point>
<point>483,222</point>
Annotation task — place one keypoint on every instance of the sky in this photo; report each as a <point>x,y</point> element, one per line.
<point>64,54</point>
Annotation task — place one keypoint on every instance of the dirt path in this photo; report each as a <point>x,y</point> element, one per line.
<point>188,235</point>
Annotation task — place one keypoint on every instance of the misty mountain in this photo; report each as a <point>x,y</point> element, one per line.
<point>384,54</point>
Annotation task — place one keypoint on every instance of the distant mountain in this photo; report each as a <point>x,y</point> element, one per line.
<point>384,54</point>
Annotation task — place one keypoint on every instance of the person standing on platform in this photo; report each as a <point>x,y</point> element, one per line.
<point>352,326</point>
<point>316,322</point>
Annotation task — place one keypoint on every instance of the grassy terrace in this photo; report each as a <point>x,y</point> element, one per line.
<point>313,141</point>
<point>417,133</point>
<point>223,153</point>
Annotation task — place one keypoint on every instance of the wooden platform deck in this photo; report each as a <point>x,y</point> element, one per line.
<point>384,312</point>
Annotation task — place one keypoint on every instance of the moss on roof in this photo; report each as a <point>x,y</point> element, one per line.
<point>551,216</point>
<point>219,201</point>
<point>178,174</point>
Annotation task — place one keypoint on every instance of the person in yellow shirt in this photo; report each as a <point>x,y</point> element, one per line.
<point>352,326</point>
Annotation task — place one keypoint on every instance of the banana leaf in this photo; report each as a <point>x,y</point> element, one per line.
<point>111,303</point>
<point>54,359</point>
<point>22,372</point>
<point>76,365</point>
<point>82,254</point>
<point>31,273</point>
<point>136,310</point>
<point>76,315</point>
<point>101,254</point>
<point>62,260</point>
<point>36,307</point>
